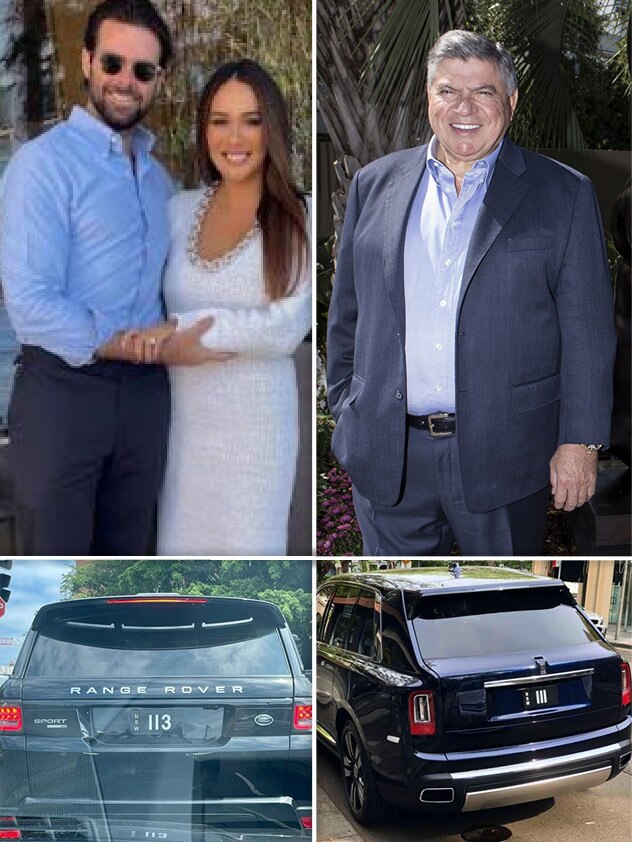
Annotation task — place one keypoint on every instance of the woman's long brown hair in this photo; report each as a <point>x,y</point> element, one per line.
<point>281,212</point>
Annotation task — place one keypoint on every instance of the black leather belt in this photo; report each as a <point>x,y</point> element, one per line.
<point>437,423</point>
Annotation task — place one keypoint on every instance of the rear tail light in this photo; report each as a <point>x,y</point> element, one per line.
<point>10,719</point>
<point>302,717</point>
<point>626,695</point>
<point>421,713</point>
<point>306,822</point>
<point>8,828</point>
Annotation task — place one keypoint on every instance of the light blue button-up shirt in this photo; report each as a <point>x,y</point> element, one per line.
<point>438,235</point>
<point>85,235</point>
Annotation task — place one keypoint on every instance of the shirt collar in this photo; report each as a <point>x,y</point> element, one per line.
<point>485,164</point>
<point>105,139</point>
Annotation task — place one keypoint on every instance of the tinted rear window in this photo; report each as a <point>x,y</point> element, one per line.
<point>490,623</point>
<point>119,641</point>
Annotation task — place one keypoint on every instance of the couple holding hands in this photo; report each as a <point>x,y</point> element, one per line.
<point>156,330</point>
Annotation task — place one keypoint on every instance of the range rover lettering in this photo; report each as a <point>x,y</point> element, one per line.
<point>142,714</point>
<point>458,695</point>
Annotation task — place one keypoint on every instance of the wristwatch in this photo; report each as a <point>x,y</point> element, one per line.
<point>593,448</point>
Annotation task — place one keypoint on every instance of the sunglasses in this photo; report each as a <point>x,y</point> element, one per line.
<point>144,71</point>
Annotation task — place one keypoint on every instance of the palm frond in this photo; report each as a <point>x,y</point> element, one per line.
<point>397,64</point>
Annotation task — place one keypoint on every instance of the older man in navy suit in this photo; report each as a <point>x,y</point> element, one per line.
<point>471,337</point>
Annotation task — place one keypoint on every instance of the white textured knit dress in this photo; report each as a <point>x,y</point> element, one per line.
<point>234,425</point>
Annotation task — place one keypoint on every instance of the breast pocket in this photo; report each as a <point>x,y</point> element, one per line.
<point>534,242</point>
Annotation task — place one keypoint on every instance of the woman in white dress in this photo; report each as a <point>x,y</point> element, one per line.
<point>237,287</point>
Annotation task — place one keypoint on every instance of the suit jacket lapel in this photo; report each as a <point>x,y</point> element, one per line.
<point>504,194</point>
<point>401,189</point>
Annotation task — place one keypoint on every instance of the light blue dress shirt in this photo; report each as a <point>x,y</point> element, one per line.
<point>438,235</point>
<point>85,235</point>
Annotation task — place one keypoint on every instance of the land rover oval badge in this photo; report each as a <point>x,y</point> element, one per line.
<point>264,719</point>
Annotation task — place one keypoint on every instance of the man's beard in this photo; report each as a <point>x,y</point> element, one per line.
<point>109,116</point>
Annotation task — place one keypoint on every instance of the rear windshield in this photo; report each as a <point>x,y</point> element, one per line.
<point>150,641</point>
<point>494,622</point>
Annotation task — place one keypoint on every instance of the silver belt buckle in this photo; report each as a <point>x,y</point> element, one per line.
<point>434,417</point>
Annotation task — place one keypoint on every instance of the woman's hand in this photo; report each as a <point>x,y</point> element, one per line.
<point>143,345</point>
<point>184,347</point>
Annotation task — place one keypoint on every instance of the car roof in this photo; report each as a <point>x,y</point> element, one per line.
<point>434,583</point>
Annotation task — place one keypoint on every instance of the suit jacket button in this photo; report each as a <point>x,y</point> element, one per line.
<point>399,395</point>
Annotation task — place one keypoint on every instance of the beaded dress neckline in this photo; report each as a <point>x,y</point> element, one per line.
<point>214,264</point>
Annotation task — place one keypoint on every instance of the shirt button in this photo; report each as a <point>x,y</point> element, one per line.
<point>443,302</point>
<point>399,395</point>
<point>453,225</point>
<point>437,387</point>
<point>439,346</point>
<point>448,262</point>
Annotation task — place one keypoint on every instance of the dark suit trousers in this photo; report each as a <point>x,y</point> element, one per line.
<point>431,511</point>
<point>87,451</point>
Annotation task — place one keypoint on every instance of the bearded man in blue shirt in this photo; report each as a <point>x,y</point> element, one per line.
<point>85,234</point>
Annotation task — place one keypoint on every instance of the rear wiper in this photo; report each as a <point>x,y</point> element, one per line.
<point>227,623</point>
<point>79,625</point>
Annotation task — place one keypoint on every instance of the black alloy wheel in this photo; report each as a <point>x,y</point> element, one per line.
<point>363,797</point>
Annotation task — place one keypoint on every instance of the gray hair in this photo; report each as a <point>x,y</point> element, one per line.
<point>458,43</point>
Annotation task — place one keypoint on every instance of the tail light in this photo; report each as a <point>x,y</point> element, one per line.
<point>306,822</point>
<point>302,717</point>
<point>626,695</point>
<point>10,719</point>
<point>421,713</point>
<point>8,828</point>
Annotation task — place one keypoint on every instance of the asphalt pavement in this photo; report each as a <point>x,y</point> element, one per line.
<point>593,815</point>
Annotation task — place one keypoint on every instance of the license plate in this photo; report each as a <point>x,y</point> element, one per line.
<point>154,721</point>
<point>540,697</point>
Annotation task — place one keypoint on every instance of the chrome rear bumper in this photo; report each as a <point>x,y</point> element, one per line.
<point>551,763</point>
<point>535,790</point>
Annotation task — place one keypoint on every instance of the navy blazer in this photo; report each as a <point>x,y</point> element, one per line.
<point>535,338</point>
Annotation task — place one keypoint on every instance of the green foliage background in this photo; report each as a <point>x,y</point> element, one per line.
<point>286,583</point>
<point>566,77</point>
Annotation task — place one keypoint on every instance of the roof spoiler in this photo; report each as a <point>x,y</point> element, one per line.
<point>457,585</point>
<point>75,609</point>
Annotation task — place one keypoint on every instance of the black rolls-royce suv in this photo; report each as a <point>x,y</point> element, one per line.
<point>462,694</point>
<point>152,715</point>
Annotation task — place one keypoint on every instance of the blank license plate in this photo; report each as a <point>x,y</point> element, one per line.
<point>540,697</point>
<point>156,721</point>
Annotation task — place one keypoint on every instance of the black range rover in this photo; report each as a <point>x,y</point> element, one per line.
<point>153,716</point>
<point>459,695</point>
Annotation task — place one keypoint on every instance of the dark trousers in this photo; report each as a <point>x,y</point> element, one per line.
<point>431,512</point>
<point>87,451</point>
